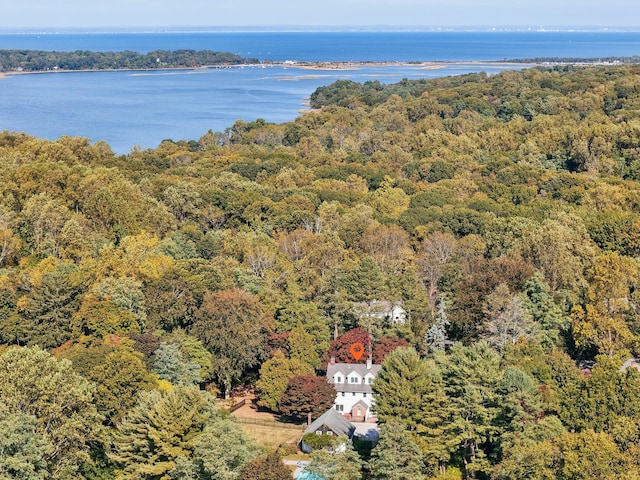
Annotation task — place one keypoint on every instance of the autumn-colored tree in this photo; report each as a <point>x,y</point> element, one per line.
<point>385,346</point>
<point>436,251</point>
<point>601,320</point>
<point>307,395</point>
<point>233,327</point>
<point>340,348</point>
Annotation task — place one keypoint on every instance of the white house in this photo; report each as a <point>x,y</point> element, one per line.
<point>382,310</point>
<point>352,381</point>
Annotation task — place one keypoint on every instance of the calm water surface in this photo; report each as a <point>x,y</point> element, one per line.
<point>128,109</point>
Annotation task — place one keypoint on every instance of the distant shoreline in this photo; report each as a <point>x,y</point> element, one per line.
<point>427,65</point>
<point>334,65</point>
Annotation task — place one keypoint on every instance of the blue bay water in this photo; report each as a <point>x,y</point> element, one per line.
<point>128,109</point>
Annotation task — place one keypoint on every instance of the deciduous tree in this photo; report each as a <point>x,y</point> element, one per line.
<point>231,324</point>
<point>307,395</point>
<point>33,383</point>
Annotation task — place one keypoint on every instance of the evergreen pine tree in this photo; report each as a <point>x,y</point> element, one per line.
<point>436,337</point>
<point>396,457</point>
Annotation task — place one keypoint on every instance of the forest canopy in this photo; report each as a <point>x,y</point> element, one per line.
<point>501,212</point>
<point>43,60</point>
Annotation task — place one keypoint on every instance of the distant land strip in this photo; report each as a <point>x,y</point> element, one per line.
<point>40,61</point>
<point>578,61</point>
<point>30,61</point>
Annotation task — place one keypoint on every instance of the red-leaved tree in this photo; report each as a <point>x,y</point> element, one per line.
<point>340,348</point>
<point>307,394</point>
<point>385,346</point>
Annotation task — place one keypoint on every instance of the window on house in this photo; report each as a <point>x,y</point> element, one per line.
<point>338,379</point>
<point>318,432</point>
<point>354,379</point>
<point>353,394</point>
<point>329,432</point>
<point>340,408</point>
<point>342,393</point>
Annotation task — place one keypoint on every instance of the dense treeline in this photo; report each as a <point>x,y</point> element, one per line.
<point>580,61</point>
<point>41,60</point>
<point>501,212</point>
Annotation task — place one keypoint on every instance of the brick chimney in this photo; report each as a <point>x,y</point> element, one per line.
<point>333,360</point>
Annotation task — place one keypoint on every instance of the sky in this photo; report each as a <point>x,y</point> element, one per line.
<point>91,14</point>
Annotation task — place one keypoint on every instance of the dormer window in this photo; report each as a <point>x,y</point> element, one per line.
<point>353,380</point>
<point>338,379</point>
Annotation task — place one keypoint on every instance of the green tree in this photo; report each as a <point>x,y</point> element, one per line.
<point>161,428</point>
<point>275,374</point>
<point>400,386</point>
<point>410,390</point>
<point>396,456</point>
<point>471,375</point>
<point>170,365</point>
<point>551,321</point>
<point>117,370</point>
<point>601,319</point>
<point>23,449</point>
<point>302,347</point>
<point>366,283</point>
<point>266,468</point>
<point>49,306</point>
<point>345,465</point>
<point>33,383</point>
<point>221,452</point>
<point>561,249</point>
<point>193,351</point>
<point>119,378</point>
<point>293,313</point>
<point>564,458</point>
<point>602,402</point>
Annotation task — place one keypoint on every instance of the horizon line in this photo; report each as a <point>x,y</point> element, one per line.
<point>312,28</point>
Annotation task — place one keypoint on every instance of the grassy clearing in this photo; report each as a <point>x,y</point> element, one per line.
<point>271,437</point>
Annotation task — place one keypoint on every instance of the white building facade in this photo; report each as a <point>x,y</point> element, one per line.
<point>354,395</point>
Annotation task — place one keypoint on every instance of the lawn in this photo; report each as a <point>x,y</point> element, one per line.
<point>271,436</point>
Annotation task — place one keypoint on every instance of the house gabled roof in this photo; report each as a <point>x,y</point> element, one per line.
<point>348,368</point>
<point>362,403</point>
<point>334,421</point>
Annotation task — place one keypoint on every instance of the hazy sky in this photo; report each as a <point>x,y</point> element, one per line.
<point>153,13</point>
